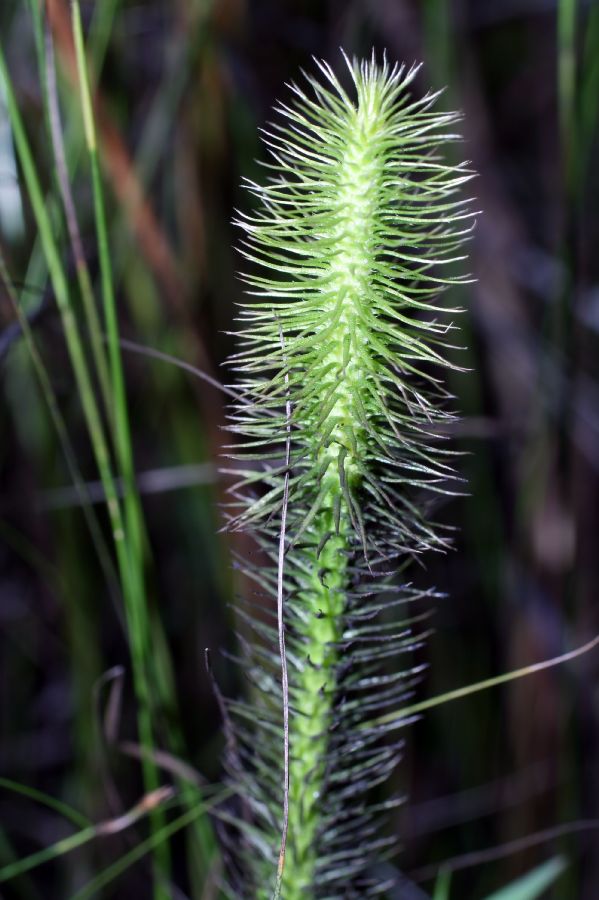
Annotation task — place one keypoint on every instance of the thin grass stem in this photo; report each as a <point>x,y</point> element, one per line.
<point>81,490</point>
<point>129,575</point>
<point>83,276</point>
<point>140,636</point>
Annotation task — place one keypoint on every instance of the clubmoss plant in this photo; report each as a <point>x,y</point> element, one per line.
<point>338,417</point>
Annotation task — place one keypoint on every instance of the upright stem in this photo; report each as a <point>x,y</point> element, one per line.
<point>136,603</point>
<point>322,599</point>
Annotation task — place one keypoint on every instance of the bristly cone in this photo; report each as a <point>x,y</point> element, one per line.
<point>339,352</point>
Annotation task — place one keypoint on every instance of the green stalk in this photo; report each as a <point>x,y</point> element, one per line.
<point>128,571</point>
<point>589,91</point>
<point>99,34</point>
<point>121,424</point>
<point>567,15</point>
<point>61,428</point>
<point>92,889</point>
<point>69,323</point>
<point>85,284</point>
<point>567,341</point>
<point>140,632</point>
<point>143,633</point>
<point>85,835</point>
<point>149,636</point>
<point>324,603</point>
<point>439,41</point>
<point>323,599</point>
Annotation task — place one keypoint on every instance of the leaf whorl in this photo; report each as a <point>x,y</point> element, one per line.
<point>354,230</point>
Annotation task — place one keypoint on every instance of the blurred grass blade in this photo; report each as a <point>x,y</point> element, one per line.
<point>122,434</point>
<point>145,806</point>
<point>83,275</point>
<point>442,885</point>
<point>128,563</point>
<point>533,885</point>
<point>589,88</point>
<point>459,693</point>
<point>80,488</point>
<point>100,29</point>
<point>93,887</point>
<point>63,809</point>
<point>12,222</point>
<point>439,41</point>
<point>69,323</point>
<point>140,634</point>
<point>566,87</point>
<point>99,34</point>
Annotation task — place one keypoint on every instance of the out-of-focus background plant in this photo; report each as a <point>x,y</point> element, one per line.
<point>497,782</point>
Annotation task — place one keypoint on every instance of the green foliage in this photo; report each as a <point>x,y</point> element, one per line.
<point>531,886</point>
<point>315,379</point>
<point>109,428</point>
<point>338,373</point>
<point>442,885</point>
<point>534,884</point>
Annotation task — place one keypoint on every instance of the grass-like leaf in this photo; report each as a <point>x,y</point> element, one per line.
<point>534,884</point>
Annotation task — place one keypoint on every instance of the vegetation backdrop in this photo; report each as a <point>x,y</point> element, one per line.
<point>496,782</point>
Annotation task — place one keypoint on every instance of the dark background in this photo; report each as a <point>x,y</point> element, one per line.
<point>183,87</point>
